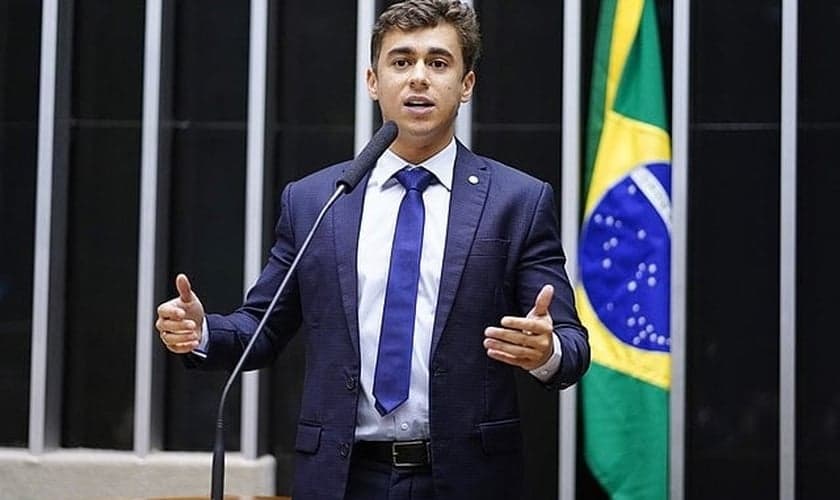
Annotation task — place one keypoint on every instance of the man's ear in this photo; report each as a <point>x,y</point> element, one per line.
<point>372,84</point>
<point>467,86</point>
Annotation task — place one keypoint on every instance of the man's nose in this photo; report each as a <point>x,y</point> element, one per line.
<point>419,75</point>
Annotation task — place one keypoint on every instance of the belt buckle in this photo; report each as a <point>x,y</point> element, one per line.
<point>395,453</point>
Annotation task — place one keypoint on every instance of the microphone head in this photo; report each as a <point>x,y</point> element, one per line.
<point>367,158</point>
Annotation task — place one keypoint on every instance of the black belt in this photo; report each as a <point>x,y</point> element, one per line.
<point>401,454</point>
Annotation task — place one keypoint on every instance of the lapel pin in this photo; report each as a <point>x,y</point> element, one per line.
<point>472,180</point>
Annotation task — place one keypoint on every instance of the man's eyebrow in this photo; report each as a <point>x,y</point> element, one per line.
<point>440,51</point>
<point>406,50</point>
<point>401,51</point>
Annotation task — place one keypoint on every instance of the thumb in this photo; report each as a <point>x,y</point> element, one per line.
<point>543,301</point>
<point>182,283</point>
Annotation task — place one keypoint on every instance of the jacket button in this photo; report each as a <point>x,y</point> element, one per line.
<point>344,449</point>
<point>350,383</point>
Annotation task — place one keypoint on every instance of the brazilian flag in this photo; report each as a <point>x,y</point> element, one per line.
<point>623,288</point>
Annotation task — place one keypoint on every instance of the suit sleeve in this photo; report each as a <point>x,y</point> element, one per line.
<point>229,334</point>
<point>543,262</point>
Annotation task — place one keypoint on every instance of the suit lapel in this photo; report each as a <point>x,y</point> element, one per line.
<point>346,219</point>
<point>470,183</point>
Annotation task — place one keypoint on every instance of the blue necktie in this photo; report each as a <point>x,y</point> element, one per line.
<point>393,363</point>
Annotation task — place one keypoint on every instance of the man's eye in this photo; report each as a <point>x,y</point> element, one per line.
<point>439,64</point>
<point>401,63</point>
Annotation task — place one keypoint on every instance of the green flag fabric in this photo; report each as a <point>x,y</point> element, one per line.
<point>623,289</point>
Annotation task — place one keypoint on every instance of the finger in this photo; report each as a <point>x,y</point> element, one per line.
<point>174,326</point>
<point>509,359</point>
<point>527,358</point>
<point>168,310</point>
<point>182,283</point>
<point>510,351</point>
<point>173,339</point>
<point>532,347</point>
<point>179,338</point>
<point>182,347</point>
<point>537,326</point>
<point>510,336</point>
<point>502,356</point>
<point>543,301</point>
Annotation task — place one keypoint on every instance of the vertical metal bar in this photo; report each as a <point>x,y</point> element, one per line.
<point>365,17</point>
<point>463,122</point>
<point>787,253</point>
<point>570,224</point>
<point>679,243</point>
<point>255,164</point>
<point>41,436</point>
<point>147,432</point>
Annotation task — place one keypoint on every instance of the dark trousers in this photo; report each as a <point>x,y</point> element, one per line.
<point>370,480</point>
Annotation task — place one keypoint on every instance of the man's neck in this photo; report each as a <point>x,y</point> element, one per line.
<point>416,153</point>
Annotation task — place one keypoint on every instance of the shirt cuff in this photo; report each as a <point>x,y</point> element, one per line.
<point>204,343</point>
<point>550,367</point>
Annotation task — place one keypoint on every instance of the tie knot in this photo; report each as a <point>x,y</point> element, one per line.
<point>416,178</point>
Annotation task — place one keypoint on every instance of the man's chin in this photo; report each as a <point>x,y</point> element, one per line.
<point>420,128</point>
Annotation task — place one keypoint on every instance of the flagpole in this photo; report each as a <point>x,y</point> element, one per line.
<point>570,226</point>
<point>679,244</point>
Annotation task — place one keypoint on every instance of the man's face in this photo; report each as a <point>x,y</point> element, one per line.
<point>420,83</point>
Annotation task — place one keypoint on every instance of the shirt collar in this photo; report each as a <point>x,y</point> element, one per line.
<point>442,164</point>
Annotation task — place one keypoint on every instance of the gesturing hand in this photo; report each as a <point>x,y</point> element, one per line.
<point>180,319</point>
<point>524,342</point>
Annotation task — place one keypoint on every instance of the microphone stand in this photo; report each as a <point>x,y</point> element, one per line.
<point>362,164</point>
<point>217,486</point>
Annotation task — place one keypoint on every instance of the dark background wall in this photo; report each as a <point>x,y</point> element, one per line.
<point>205,81</point>
<point>818,186</point>
<point>102,217</point>
<point>732,415</point>
<point>732,420</point>
<point>20,44</point>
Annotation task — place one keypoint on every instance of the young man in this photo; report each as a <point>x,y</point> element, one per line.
<point>486,294</point>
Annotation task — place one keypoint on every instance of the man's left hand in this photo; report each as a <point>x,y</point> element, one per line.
<point>524,342</point>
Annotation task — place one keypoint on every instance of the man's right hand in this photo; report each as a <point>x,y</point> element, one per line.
<point>180,320</point>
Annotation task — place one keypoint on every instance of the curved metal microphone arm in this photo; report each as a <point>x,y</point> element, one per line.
<point>217,486</point>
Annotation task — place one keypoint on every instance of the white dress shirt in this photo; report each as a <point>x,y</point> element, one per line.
<point>376,233</point>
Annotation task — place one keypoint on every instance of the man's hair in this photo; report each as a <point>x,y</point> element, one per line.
<point>415,14</point>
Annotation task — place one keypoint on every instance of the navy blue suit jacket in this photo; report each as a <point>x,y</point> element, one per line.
<point>502,246</point>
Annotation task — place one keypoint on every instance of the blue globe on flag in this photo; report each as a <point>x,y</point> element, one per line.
<point>625,260</point>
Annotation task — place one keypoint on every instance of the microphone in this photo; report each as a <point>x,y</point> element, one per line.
<point>361,165</point>
<point>368,156</point>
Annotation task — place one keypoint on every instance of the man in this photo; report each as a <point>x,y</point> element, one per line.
<point>487,294</point>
